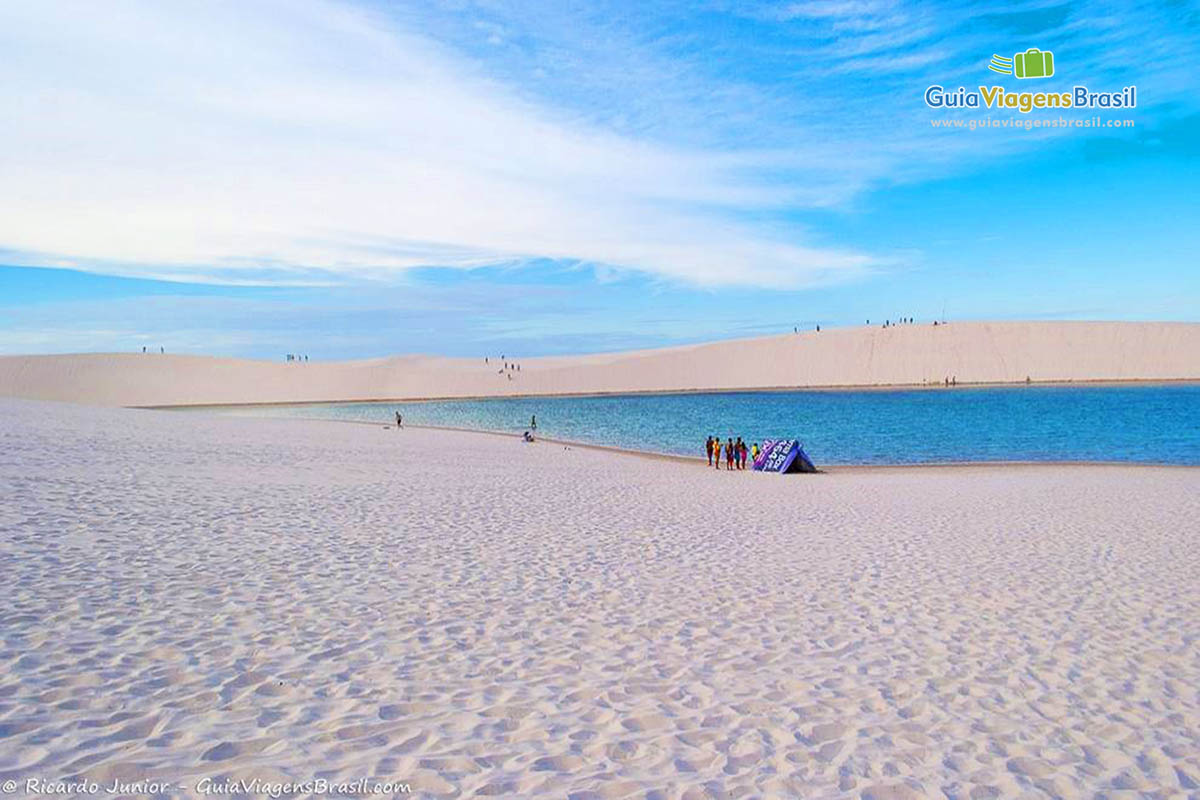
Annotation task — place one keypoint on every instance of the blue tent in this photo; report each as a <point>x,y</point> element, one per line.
<point>783,455</point>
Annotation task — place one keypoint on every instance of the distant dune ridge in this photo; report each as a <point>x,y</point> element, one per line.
<point>917,354</point>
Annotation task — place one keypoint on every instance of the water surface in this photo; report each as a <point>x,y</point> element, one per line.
<point>1144,423</point>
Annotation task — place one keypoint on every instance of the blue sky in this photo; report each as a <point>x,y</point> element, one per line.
<point>356,179</point>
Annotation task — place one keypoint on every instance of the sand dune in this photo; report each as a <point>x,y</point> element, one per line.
<point>192,598</point>
<point>978,352</point>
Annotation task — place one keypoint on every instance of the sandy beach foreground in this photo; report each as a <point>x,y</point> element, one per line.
<point>195,600</point>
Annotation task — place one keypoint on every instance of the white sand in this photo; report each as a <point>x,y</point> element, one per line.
<point>975,352</point>
<point>188,596</point>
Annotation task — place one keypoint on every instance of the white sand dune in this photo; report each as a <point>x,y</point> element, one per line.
<point>191,597</point>
<point>976,352</point>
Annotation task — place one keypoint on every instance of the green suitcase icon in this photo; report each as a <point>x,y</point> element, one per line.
<point>1034,63</point>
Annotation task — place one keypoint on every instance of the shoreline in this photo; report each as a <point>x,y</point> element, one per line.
<point>830,388</point>
<point>839,468</point>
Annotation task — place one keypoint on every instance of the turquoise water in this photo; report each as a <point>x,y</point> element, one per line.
<point>1017,423</point>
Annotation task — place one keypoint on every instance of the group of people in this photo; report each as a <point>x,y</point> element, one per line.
<point>887,323</point>
<point>509,366</point>
<point>735,452</point>
<point>294,357</point>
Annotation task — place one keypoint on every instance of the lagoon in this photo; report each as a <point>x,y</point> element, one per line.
<point>1129,423</point>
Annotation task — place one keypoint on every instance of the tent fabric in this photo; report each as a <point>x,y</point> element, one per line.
<point>783,456</point>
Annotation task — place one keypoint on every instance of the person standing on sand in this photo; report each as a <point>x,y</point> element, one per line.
<point>708,449</point>
<point>754,452</point>
<point>399,421</point>
<point>741,453</point>
<point>729,453</point>
<point>717,452</point>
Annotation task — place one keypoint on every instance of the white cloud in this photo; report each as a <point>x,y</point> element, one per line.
<point>162,138</point>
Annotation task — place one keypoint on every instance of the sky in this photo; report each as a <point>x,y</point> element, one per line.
<point>354,179</point>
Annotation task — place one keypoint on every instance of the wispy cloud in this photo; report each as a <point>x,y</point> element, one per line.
<point>206,138</point>
<point>318,141</point>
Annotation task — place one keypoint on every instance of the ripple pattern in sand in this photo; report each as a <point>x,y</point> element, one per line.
<point>191,597</point>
